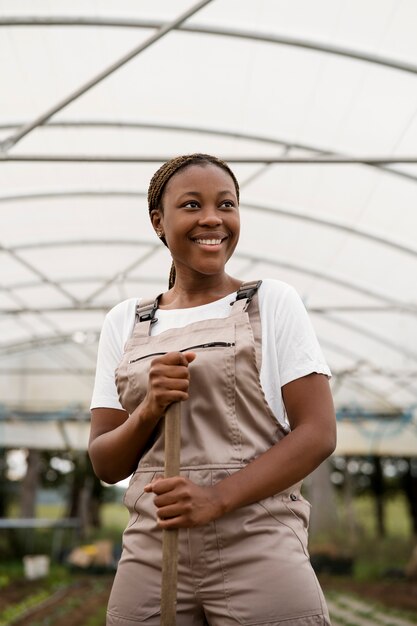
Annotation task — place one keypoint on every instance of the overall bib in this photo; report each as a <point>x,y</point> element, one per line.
<point>250,566</point>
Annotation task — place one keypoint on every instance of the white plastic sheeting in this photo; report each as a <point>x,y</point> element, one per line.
<point>263,84</point>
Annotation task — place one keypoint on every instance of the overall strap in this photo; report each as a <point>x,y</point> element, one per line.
<point>145,316</point>
<point>246,292</point>
<point>244,296</point>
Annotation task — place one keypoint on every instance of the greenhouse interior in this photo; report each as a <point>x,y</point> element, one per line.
<point>313,104</point>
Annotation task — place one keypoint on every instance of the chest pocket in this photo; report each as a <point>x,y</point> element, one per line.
<point>214,365</point>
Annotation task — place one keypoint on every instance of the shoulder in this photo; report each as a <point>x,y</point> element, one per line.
<point>275,294</point>
<point>119,320</point>
<point>122,310</point>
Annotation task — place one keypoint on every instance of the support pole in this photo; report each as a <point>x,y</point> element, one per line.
<point>170,537</point>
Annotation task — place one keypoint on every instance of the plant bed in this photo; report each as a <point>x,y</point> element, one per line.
<point>81,601</point>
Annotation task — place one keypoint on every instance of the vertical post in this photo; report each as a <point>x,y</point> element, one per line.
<point>170,537</point>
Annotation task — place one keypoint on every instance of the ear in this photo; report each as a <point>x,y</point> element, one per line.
<point>156,219</point>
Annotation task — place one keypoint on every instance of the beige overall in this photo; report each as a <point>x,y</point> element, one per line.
<point>250,566</point>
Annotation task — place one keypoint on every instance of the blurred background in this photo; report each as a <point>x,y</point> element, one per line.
<point>314,105</point>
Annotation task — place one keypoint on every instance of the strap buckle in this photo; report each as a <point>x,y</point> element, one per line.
<point>247,291</point>
<point>147,314</point>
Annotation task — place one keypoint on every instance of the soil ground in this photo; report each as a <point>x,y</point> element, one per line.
<point>83,602</point>
<point>394,594</point>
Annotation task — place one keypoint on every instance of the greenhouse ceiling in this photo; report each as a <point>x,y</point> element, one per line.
<point>313,103</point>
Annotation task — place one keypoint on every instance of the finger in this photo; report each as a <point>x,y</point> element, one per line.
<point>170,384</point>
<point>173,371</point>
<point>161,485</point>
<point>173,358</point>
<point>171,511</point>
<point>173,522</point>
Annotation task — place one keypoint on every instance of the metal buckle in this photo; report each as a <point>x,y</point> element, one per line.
<point>247,292</point>
<point>148,314</point>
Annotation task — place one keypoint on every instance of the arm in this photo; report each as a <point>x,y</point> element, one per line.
<point>117,439</point>
<point>312,439</point>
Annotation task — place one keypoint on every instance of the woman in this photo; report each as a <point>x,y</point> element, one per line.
<point>257,417</point>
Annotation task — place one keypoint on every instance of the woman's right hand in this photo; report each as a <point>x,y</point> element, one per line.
<point>168,382</point>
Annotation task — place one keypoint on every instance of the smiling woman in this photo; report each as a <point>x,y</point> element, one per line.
<point>207,188</point>
<point>257,417</point>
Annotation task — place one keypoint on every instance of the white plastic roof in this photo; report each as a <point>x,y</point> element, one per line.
<point>314,104</point>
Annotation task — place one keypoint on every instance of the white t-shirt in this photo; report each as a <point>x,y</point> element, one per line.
<point>289,345</point>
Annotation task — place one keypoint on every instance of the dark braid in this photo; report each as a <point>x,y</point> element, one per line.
<point>161,177</point>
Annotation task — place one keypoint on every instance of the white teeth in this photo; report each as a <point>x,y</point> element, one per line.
<point>209,242</point>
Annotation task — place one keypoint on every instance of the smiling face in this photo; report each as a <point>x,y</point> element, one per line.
<point>200,219</point>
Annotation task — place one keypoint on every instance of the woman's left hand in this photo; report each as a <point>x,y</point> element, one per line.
<point>183,504</point>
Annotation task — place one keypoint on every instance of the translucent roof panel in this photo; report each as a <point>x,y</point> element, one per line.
<point>314,104</point>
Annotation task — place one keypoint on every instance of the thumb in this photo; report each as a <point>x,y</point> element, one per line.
<point>190,356</point>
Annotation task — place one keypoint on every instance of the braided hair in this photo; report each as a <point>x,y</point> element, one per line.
<point>161,177</point>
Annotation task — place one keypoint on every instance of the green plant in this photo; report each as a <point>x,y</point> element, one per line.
<point>12,613</point>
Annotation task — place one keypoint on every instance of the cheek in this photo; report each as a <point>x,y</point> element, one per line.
<point>235,225</point>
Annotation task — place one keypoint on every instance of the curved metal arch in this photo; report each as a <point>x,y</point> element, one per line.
<point>261,208</point>
<point>329,223</point>
<point>102,308</point>
<point>161,158</point>
<point>385,341</point>
<point>41,342</point>
<point>162,31</point>
<point>201,29</point>
<point>45,279</point>
<point>58,338</point>
<point>368,391</point>
<point>358,359</point>
<point>89,372</point>
<point>82,280</point>
<point>289,145</point>
<point>49,341</point>
<point>252,258</point>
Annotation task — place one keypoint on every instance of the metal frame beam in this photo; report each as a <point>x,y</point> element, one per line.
<point>44,279</point>
<point>201,29</point>
<point>102,308</point>
<point>53,341</point>
<point>370,334</point>
<point>287,145</point>
<point>261,208</point>
<point>44,341</point>
<point>330,223</point>
<point>368,291</point>
<point>121,274</point>
<point>359,362</point>
<point>163,29</point>
<point>283,160</point>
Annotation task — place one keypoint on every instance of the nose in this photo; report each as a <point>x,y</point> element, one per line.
<point>210,216</point>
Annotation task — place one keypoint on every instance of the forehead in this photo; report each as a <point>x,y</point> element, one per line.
<point>198,177</point>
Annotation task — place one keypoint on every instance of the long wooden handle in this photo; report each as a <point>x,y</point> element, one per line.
<point>170,537</point>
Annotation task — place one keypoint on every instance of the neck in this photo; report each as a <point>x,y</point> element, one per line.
<point>189,292</point>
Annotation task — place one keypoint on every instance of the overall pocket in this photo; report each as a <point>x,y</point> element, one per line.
<point>266,571</point>
<point>134,493</point>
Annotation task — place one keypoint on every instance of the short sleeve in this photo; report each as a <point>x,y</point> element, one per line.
<point>298,349</point>
<point>116,328</point>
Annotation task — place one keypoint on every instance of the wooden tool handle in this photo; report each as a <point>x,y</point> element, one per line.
<point>170,537</point>
<point>172,440</point>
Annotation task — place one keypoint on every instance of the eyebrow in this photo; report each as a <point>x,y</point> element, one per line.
<point>224,192</point>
